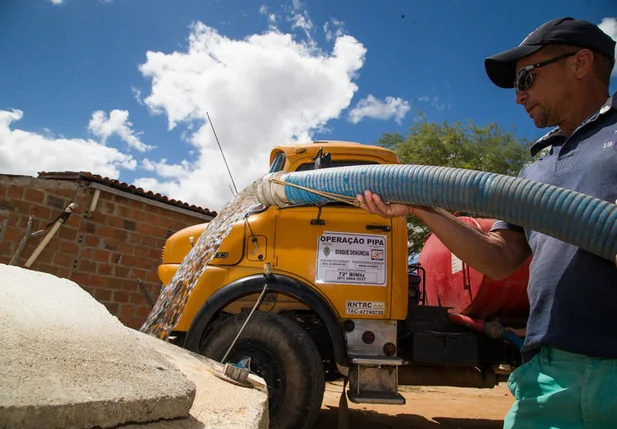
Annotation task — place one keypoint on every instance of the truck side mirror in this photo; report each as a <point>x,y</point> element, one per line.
<point>323,161</point>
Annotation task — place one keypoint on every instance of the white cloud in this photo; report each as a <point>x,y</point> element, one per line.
<point>137,95</point>
<point>333,29</point>
<point>370,107</point>
<point>27,153</point>
<point>265,90</point>
<point>57,2</point>
<point>302,21</point>
<point>299,18</point>
<point>117,124</point>
<point>609,26</point>
<point>435,102</point>
<point>271,17</point>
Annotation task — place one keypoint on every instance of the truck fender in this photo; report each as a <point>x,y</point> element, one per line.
<point>287,285</point>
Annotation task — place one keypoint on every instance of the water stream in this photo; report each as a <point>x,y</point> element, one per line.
<point>166,312</point>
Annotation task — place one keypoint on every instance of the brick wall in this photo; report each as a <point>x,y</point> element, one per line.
<point>106,251</point>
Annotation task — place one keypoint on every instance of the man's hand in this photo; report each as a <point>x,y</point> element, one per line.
<point>521,332</point>
<point>372,203</point>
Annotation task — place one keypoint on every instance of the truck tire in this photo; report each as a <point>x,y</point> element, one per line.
<point>284,355</point>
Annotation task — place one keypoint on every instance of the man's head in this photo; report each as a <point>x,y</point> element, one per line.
<point>559,63</point>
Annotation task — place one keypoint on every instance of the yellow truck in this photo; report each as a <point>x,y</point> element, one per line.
<point>342,300</point>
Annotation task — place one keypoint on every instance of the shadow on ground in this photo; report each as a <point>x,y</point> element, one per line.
<point>364,419</point>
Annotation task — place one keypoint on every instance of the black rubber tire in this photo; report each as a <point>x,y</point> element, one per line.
<point>284,355</point>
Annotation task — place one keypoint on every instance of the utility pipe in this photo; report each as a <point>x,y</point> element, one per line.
<point>584,221</point>
<point>57,224</point>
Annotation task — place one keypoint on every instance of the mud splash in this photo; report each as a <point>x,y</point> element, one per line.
<point>166,312</point>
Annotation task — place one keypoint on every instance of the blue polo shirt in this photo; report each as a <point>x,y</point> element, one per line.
<point>573,293</point>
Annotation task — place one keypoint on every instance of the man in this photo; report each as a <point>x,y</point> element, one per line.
<point>561,74</point>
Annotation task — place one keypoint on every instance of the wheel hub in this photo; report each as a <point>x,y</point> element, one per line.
<point>266,363</point>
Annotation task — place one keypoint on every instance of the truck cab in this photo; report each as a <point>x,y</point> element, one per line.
<point>340,300</point>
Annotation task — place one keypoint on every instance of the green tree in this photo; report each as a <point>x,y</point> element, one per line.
<point>459,145</point>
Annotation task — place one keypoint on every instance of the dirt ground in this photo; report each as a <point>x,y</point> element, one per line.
<point>426,408</point>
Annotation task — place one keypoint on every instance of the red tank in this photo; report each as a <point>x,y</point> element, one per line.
<point>452,283</point>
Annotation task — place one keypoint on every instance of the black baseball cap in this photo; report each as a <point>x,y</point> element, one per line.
<point>501,68</point>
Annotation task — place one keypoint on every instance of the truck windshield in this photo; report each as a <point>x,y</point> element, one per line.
<point>278,163</point>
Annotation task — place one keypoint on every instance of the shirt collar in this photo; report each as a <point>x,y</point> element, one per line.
<point>547,139</point>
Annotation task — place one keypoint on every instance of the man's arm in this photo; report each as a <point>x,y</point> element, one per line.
<point>496,254</point>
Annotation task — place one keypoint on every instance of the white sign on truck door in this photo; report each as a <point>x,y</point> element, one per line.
<point>358,259</point>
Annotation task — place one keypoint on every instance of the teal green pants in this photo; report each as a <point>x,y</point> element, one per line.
<point>561,390</point>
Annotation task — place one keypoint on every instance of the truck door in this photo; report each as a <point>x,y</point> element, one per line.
<point>345,252</point>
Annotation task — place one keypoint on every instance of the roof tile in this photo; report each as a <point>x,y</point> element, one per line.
<point>132,189</point>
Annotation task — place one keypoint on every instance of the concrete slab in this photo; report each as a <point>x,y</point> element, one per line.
<point>218,404</point>
<point>65,362</point>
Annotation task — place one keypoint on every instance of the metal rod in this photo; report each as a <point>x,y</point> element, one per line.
<point>253,237</point>
<point>221,149</point>
<point>57,224</point>
<point>263,292</point>
<point>23,241</point>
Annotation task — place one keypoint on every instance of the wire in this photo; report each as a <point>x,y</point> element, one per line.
<point>221,149</point>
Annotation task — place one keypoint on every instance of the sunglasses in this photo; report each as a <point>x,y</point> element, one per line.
<point>524,78</point>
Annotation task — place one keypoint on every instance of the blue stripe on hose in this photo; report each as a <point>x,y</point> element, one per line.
<point>586,222</point>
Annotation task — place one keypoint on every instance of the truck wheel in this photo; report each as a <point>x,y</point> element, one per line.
<point>284,355</point>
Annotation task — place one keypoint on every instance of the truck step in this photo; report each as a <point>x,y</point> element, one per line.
<point>374,380</point>
<point>376,398</point>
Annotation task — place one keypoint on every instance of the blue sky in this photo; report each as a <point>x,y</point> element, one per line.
<point>121,87</point>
